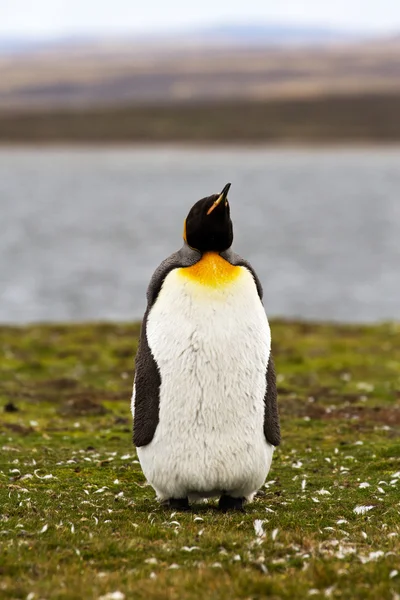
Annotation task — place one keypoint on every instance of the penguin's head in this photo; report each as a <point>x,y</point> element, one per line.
<point>208,226</point>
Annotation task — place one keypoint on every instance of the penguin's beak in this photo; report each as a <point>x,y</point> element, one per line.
<point>221,198</point>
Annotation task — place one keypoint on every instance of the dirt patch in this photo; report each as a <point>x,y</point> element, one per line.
<point>80,406</point>
<point>17,428</point>
<point>383,415</point>
<point>327,404</point>
<point>59,391</point>
<point>64,383</point>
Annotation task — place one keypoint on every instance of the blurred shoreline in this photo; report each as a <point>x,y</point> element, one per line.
<point>361,119</point>
<point>92,147</point>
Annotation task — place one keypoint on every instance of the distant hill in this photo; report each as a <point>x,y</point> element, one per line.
<point>271,33</point>
<point>15,46</point>
<point>231,83</point>
<point>231,33</point>
<point>212,64</point>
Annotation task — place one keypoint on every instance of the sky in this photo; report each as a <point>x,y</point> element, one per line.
<point>55,18</point>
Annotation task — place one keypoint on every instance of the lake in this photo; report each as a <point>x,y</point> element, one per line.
<point>84,228</point>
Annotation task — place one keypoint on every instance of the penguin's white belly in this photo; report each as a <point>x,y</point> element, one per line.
<point>211,344</point>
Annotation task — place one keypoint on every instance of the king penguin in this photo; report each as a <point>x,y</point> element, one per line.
<point>204,397</point>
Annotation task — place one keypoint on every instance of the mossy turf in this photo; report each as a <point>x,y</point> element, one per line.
<point>77,519</point>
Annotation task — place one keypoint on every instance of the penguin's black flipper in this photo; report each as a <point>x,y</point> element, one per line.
<point>146,388</point>
<point>147,377</point>
<point>272,430</point>
<point>271,416</point>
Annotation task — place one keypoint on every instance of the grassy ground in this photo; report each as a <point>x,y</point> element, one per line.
<point>77,519</point>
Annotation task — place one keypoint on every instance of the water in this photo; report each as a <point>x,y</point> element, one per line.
<point>83,229</point>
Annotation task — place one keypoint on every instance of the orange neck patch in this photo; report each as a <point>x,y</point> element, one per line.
<point>211,270</point>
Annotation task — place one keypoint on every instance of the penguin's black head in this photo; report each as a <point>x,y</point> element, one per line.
<point>208,226</point>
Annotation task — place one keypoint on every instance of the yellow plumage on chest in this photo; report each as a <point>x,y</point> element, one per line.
<point>211,270</point>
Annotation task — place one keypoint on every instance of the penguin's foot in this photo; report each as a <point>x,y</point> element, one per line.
<point>228,503</point>
<point>178,504</point>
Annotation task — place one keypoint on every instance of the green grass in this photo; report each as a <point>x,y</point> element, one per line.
<point>77,519</point>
